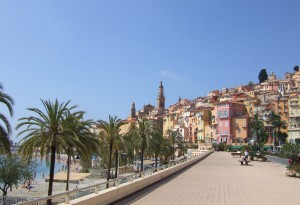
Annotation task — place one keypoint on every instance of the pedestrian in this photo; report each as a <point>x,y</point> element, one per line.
<point>245,159</point>
<point>43,175</point>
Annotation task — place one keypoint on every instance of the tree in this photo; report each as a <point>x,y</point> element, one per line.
<point>263,76</point>
<point>44,132</point>
<point>5,130</point>
<point>110,134</point>
<point>157,142</point>
<point>257,128</point>
<point>176,141</point>
<point>143,131</point>
<point>251,84</point>
<point>296,68</point>
<point>77,134</point>
<point>277,125</point>
<point>13,171</point>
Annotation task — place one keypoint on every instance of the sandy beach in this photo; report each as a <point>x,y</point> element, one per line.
<point>40,187</point>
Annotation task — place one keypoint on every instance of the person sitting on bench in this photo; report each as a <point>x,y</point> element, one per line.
<point>245,158</point>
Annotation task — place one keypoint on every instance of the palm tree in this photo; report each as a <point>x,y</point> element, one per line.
<point>47,132</point>
<point>143,130</point>
<point>77,134</point>
<point>157,142</point>
<point>257,127</point>
<point>111,134</point>
<point>5,130</point>
<point>277,124</point>
<point>176,141</point>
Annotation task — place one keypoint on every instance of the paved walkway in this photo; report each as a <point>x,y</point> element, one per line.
<point>220,179</point>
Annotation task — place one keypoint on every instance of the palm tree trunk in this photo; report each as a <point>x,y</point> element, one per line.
<point>156,161</point>
<point>173,154</point>
<point>116,162</point>
<point>259,141</point>
<point>109,163</point>
<point>68,172</point>
<point>51,177</point>
<point>142,159</point>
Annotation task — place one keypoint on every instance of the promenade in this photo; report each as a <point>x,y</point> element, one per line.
<point>221,180</point>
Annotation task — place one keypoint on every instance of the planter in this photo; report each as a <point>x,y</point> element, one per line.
<point>254,158</point>
<point>298,174</point>
<point>260,159</point>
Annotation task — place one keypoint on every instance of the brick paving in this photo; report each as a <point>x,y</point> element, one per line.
<point>220,179</point>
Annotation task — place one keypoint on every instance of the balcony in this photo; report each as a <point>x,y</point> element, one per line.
<point>223,116</point>
<point>294,103</point>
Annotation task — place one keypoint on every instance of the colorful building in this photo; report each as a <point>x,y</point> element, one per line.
<point>226,111</point>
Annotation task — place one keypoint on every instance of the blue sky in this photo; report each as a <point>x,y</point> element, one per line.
<point>104,55</point>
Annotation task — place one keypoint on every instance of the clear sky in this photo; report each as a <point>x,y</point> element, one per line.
<point>104,55</point>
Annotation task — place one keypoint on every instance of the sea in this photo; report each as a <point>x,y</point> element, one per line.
<point>42,168</point>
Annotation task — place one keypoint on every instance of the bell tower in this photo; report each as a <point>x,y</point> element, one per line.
<point>161,97</point>
<point>133,111</point>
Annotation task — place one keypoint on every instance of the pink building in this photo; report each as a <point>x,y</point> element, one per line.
<point>225,112</point>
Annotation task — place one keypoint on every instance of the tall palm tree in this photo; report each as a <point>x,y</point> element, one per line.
<point>176,141</point>
<point>257,127</point>
<point>5,131</point>
<point>45,132</point>
<point>77,134</point>
<point>277,124</point>
<point>111,134</point>
<point>157,143</point>
<point>143,130</point>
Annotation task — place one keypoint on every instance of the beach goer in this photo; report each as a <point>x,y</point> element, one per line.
<point>43,175</point>
<point>62,168</point>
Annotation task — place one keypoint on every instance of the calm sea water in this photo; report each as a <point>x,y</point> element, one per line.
<point>43,168</point>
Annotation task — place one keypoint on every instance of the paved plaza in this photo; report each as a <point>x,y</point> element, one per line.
<point>220,179</point>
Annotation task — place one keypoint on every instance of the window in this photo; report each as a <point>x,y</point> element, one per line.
<point>226,124</point>
<point>225,113</point>
<point>220,113</point>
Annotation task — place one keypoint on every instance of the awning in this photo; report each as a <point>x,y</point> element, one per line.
<point>74,177</point>
<point>236,146</point>
<point>267,146</point>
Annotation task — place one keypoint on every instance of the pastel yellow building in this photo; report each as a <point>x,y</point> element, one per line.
<point>294,117</point>
<point>240,130</point>
<point>203,117</point>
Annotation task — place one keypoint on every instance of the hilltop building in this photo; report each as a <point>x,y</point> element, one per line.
<point>223,116</point>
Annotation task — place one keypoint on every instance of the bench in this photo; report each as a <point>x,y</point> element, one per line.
<point>236,154</point>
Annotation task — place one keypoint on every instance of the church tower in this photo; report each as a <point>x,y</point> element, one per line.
<point>161,98</point>
<point>133,111</point>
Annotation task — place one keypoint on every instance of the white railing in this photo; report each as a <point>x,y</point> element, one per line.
<point>9,200</point>
<point>66,197</point>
